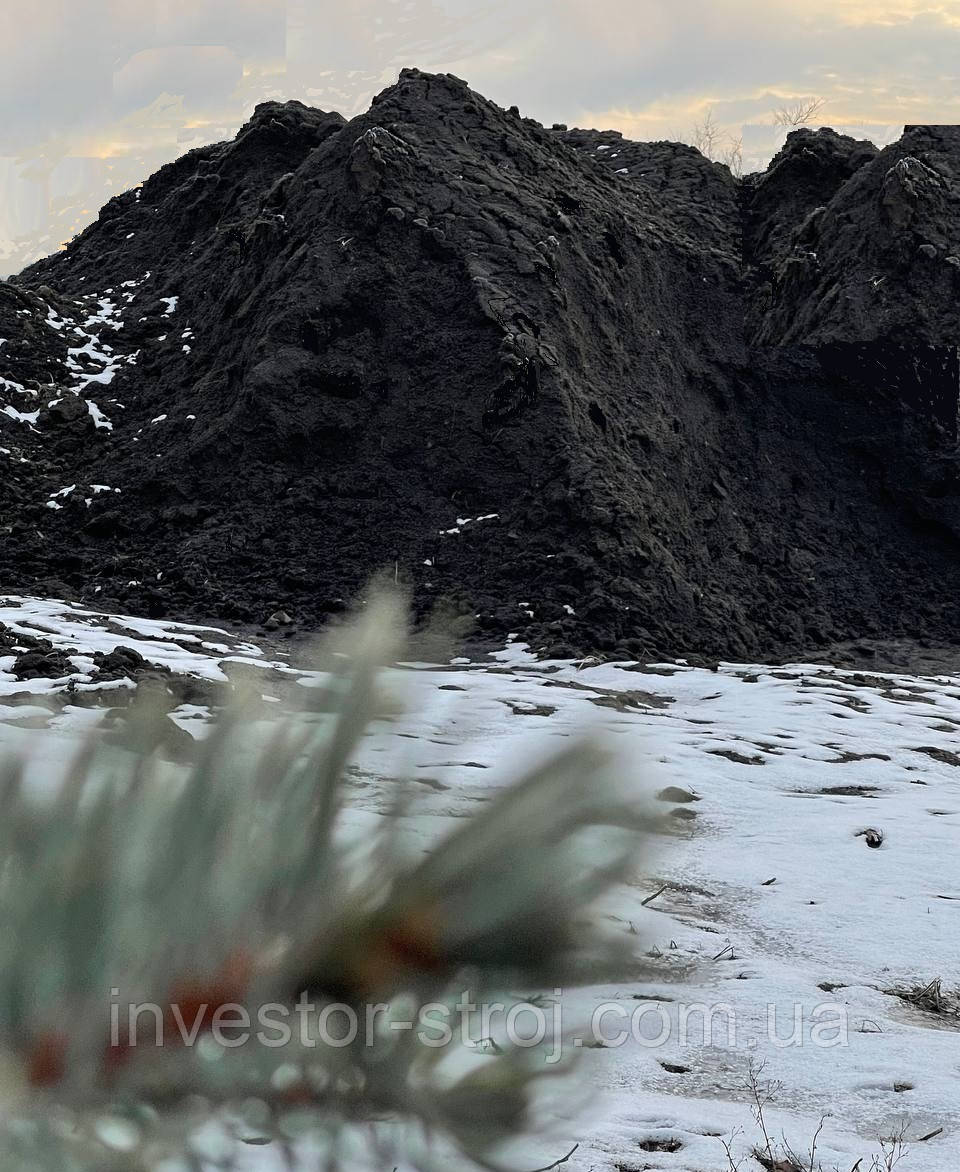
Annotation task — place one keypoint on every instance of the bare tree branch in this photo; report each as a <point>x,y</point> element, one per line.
<point>801,113</point>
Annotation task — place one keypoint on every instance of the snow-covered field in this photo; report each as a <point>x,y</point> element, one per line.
<point>777,935</point>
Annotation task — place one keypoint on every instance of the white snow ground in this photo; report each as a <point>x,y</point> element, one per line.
<point>775,917</point>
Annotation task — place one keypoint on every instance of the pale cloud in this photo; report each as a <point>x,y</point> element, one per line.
<point>690,54</point>
<point>195,73</point>
<point>95,94</point>
<point>256,28</point>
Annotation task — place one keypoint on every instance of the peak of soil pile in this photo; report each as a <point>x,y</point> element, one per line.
<point>596,392</point>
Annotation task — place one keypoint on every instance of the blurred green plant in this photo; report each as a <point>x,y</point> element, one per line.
<point>227,884</point>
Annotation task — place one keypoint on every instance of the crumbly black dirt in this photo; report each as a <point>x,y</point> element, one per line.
<point>696,415</point>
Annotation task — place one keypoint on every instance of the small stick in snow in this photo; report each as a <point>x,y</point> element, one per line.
<point>562,1160</point>
<point>930,1135</point>
<point>651,898</point>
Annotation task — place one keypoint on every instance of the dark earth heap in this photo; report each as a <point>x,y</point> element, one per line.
<point>595,392</point>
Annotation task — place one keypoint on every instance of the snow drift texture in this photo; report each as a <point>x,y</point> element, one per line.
<point>597,392</point>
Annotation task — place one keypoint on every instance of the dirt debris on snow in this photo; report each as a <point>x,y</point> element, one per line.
<point>598,393</point>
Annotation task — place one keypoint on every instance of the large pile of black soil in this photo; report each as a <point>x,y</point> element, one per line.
<point>594,392</point>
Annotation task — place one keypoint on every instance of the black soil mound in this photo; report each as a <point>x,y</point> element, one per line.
<point>595,392</point>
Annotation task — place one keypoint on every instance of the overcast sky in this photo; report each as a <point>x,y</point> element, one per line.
<point>95,94</point>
